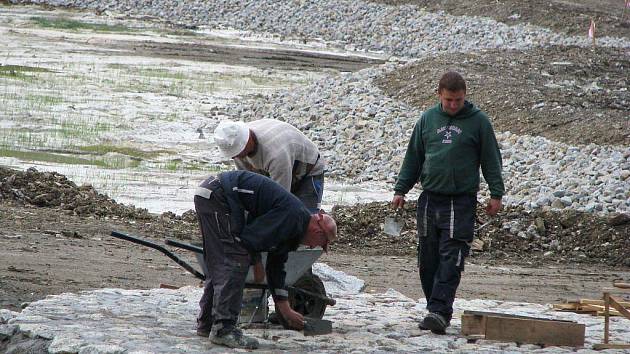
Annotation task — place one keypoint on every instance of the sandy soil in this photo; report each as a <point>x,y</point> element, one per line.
<point>45,251</point>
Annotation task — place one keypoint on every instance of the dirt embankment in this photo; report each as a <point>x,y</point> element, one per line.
<point>515,236</point>
<point>54,190</point>
<point>570,17</point>
<point>567,94</point>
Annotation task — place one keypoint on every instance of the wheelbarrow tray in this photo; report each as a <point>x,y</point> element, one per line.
<point>298,263</point>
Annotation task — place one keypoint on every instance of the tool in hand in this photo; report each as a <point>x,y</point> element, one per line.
<point>314,326</point>
<point>394,225</point>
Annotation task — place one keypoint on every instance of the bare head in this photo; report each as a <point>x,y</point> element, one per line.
<point>452,92</point>
<point>322,230</point>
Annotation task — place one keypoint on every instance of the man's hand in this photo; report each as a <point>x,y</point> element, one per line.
<point>494,205</point>
<point>398,201</point>
<point>259,272</point>
<point>294,319</point>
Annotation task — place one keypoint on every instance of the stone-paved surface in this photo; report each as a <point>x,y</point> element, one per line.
<point>162,321</point>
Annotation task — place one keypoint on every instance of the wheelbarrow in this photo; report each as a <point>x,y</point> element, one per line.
<point>307,294</point>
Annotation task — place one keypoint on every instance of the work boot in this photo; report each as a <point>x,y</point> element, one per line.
<point>203,332</point>
<point>422,326</point>
<point>232,337</point>
<point>435,322</point>
<point>204,328</point>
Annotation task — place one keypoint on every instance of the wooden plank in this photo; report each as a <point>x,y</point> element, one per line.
<point>535,331</point>
<point>599,310</point>
<point>611,346</point>
<point>168,286</point>
<point>566,307</point>
<point>618,307</point>
<point>599,302</point>
<point>606,317</point>
<point>620,284</point>
<point>473,325</point>
<point>615,290</point>
<point>498,314</point>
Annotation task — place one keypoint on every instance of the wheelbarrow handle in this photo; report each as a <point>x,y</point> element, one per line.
<point>155,246</point>
<point>184,246</point>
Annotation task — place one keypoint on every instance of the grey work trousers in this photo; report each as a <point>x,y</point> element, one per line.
<point>310,191</point>
<point>445,229</point>
<point>227,262</point>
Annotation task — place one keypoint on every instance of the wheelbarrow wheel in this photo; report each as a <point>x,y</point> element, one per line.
<point>308,306</point>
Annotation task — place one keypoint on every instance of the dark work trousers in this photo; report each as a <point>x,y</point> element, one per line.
<point>227,261</point>
<point>310,191</point>
<point>445,231</point>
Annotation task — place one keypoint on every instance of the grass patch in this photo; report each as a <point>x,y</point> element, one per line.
<point>182,32</point>
<point>22,68</point>
<point>180,165</point>
<point>81,129</point>
<point>162,74</point>
<point>103,149</point>
<point>20,72</point>
<point>68,24</point>
<point>43,100</point>
<point>40,156</point>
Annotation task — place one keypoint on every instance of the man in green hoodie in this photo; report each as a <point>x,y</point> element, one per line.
<point>449,143</point>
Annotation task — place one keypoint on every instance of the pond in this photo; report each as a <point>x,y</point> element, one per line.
<point>129,105</point>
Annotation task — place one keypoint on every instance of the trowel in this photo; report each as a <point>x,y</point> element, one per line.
<point>394,224</point>
<point>316,326</point>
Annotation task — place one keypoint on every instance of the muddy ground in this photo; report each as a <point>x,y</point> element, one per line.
<point>55,237</point>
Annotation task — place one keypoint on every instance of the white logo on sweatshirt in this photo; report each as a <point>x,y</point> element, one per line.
<point>448,131</point>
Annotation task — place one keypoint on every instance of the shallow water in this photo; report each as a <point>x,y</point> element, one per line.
<point>129,105</point>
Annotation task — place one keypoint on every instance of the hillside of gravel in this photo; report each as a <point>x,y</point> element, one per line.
<point>363,132</point>
<point>403,30</point>
<point>573,95</point>
<point>569,94</point>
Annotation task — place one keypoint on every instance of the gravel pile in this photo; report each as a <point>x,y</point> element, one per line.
<point>364,134</point>
<point>54,190</point>
<point>515,235</point>
<point>405,31</point>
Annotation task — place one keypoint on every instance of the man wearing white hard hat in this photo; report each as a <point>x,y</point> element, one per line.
<point>278,150</point>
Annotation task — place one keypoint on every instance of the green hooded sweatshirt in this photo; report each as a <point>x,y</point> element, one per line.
<point>445,153</point>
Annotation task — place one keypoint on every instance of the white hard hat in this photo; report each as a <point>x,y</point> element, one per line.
<point>231,137</point>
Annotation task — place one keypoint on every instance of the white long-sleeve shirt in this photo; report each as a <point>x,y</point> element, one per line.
<point>283,153</point>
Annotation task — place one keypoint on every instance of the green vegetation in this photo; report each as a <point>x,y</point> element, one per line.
<point>20,72</point>
<point>179,165</point>
<point>173,165</point>
<point>103,149</point>
<point>80,129</point>
<point>65,23</point>
<point>42,100</point>
<point>116,163</point>
<point>160,73</point>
